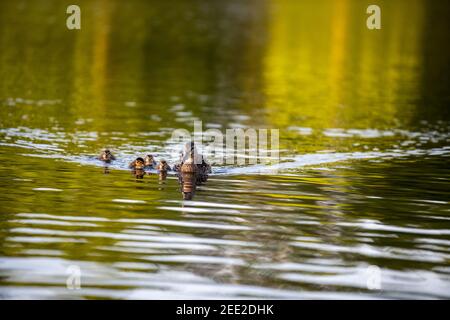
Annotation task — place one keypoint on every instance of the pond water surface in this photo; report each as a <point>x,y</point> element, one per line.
<point>359,206</point>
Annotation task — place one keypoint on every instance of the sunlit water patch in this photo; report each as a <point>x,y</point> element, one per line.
<point>56,144</point>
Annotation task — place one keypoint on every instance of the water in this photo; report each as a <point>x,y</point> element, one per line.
<point>357,208</point>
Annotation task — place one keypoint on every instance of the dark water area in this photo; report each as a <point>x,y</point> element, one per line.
<point>361,190</point>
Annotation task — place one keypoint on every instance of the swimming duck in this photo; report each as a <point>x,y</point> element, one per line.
<point>163,166</point>
<point>138,164</point>
<point>106,156</point>
<point>188,165</point>
<point>202,167</point>
<point>149,161</point>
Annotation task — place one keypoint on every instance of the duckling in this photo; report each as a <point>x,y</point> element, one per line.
<point>106,156</point>
<point>176,167</point>
<point>150,161</point>
<point>163,166</point>
<point>204,167</point>
<point>138,164</point>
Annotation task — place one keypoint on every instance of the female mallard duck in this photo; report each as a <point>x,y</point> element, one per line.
<point>188,165</point>
<point>149,161</point>
<point>106,156</point>
<point>138,164</point>
<point>191,158</point>
<point>163,166</point>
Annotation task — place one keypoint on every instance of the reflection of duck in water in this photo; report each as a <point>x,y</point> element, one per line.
<point>150,161</point>
<point>188,184</point>
<point>162,168</point>
<point>106,156</point>
<point>138,173</point>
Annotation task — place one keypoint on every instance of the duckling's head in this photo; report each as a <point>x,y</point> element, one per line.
<point>149,160</point>
<point>163,166</point>
<point>139,174</point>
<point>139,163</point>
<point>106,155</point>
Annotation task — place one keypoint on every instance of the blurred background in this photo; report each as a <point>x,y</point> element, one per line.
<point>309,63</point>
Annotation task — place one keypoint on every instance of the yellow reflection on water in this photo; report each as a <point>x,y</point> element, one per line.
<point>324,68</point>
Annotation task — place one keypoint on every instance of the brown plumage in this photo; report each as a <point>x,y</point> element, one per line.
<point>106,156</point>
<point>163,166</point>
<point>188,183</point>
<point>191,172</point>
<point>189,166</point>
<point>204,167</point>
<point>177,167</point>
<point>162,176</point>
<point>149,161</point>
<point>138,173</point>
<point>138,164</point>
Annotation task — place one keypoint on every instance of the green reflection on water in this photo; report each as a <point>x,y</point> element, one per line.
<point>309,63</point>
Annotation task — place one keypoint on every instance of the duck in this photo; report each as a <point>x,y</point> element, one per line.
<point>149,161</point>
<point>190,162</point>
<point>163,166</point>
<point>106,156</point>
<point>138,164</point>
<point>188,165</point>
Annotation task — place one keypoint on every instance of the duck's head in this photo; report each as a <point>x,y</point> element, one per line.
<point>149,160</point>
<point>189,165</point>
